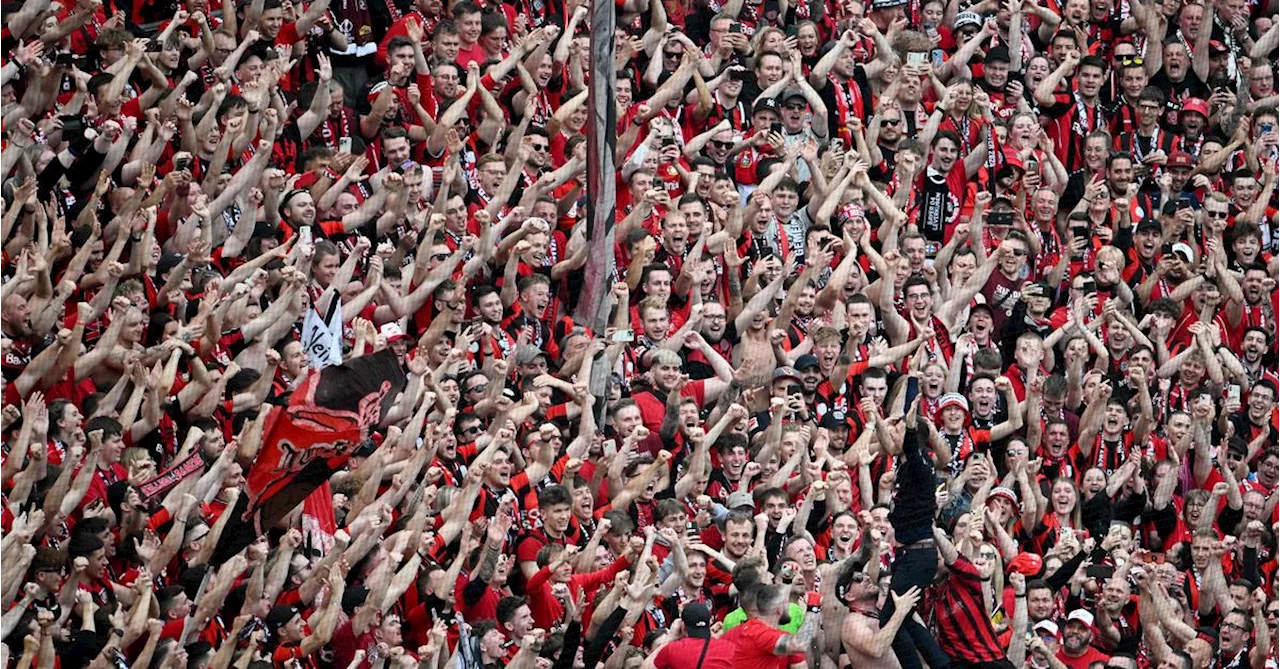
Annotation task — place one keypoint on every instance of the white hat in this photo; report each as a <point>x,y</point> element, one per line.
<point>392,332</point>
<point>1081,616</point>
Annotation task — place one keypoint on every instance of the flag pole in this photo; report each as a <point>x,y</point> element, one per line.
<point>593,308</point>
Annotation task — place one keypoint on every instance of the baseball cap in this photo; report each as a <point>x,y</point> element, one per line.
<point>768,104</point>
<point>1047,626</point>
<point>740,499</point>
<point>527,353</point>
<point>785,373</point>
<point>834,419</point>
<point>1081,616</point>
<point>697,620</point>
<point>1149,224</point>
<point>1180,159</point>
<point>791,94</point>
<point>280,616</point>
<point>392,332</point>
<point>887,4</point>
<point>1196,105</point>
<point>806,361</point>
<point>1185,251</point>
<point>998,54</point>
<point>967,20</point>
<point>1217,47</point>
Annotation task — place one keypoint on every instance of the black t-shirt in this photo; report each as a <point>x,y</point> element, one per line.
<point>1177,93</point>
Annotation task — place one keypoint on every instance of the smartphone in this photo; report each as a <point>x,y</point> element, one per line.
<point>344,144</point>
<point>776,127</point>
<point>65,59</point>
<point>304,234</point>
<point>937,57</point>
<point>795,389</point>
<point>1089,287</point>
<point>1080,231</point>
<point>668,141</point>
<point>623,336</point>
<point>836,144</point>
<point>1004,218</point>
<point>737,74</point>
<point>1099,571</point>
<point>1032,166</point>
<point>917,58</point>
<point>1267,127</point>
<point>735,28</point>
<point>1166,249</point>
<point>1233,393</point>
<point>913,389</point>
<point>1184,203</point>
<point>182,163</point>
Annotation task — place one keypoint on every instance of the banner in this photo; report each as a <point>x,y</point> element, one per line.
<point>322,337</point>
<point>305,442</point>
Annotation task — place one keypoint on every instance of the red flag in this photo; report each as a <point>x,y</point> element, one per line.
<point>329,415</point>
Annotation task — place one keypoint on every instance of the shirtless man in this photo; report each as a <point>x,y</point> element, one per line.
<point>866,644</point>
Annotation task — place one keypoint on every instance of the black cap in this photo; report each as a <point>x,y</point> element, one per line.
<point>697,620</point>
<point>998,54</point>
<point>281,615</point>
<point>354,596</point>
<point>765,104</point>
<point>1149,224</point>
<point>806,361</point>
<point>834,419</point>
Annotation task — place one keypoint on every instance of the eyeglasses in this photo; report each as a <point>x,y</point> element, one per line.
<point>1234,626</point>
<point>887,122</point>
<point>478,389</point>
<point>796,107</point>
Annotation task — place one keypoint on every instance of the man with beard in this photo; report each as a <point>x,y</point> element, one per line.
<point>1077,651</point>
<point>865,640</point>
<point>15,327</point>
<point>1255,344</point>
<point>1250,303</point>
<point>1256,418</point>
<point>1172,277</point>
<point>665,377</point>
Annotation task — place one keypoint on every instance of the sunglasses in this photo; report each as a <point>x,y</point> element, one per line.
<point>1127,61</point>
<point>474,429</point>
<point>796,107</point>
<point>1019,252</point>
<point>672,54</point>
<point>721,145</point>
<point>539,147</point>
<point>1222,215</point>
<point>889,122</point>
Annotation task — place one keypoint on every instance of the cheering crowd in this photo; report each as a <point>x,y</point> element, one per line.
<point>941,333</point>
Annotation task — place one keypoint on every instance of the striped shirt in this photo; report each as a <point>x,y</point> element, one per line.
<point>960,622</point>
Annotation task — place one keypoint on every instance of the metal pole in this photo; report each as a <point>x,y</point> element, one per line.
<point>593,308</point>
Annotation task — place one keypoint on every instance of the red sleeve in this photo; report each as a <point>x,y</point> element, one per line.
<point>537,581</point>
<point>600,577</point>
